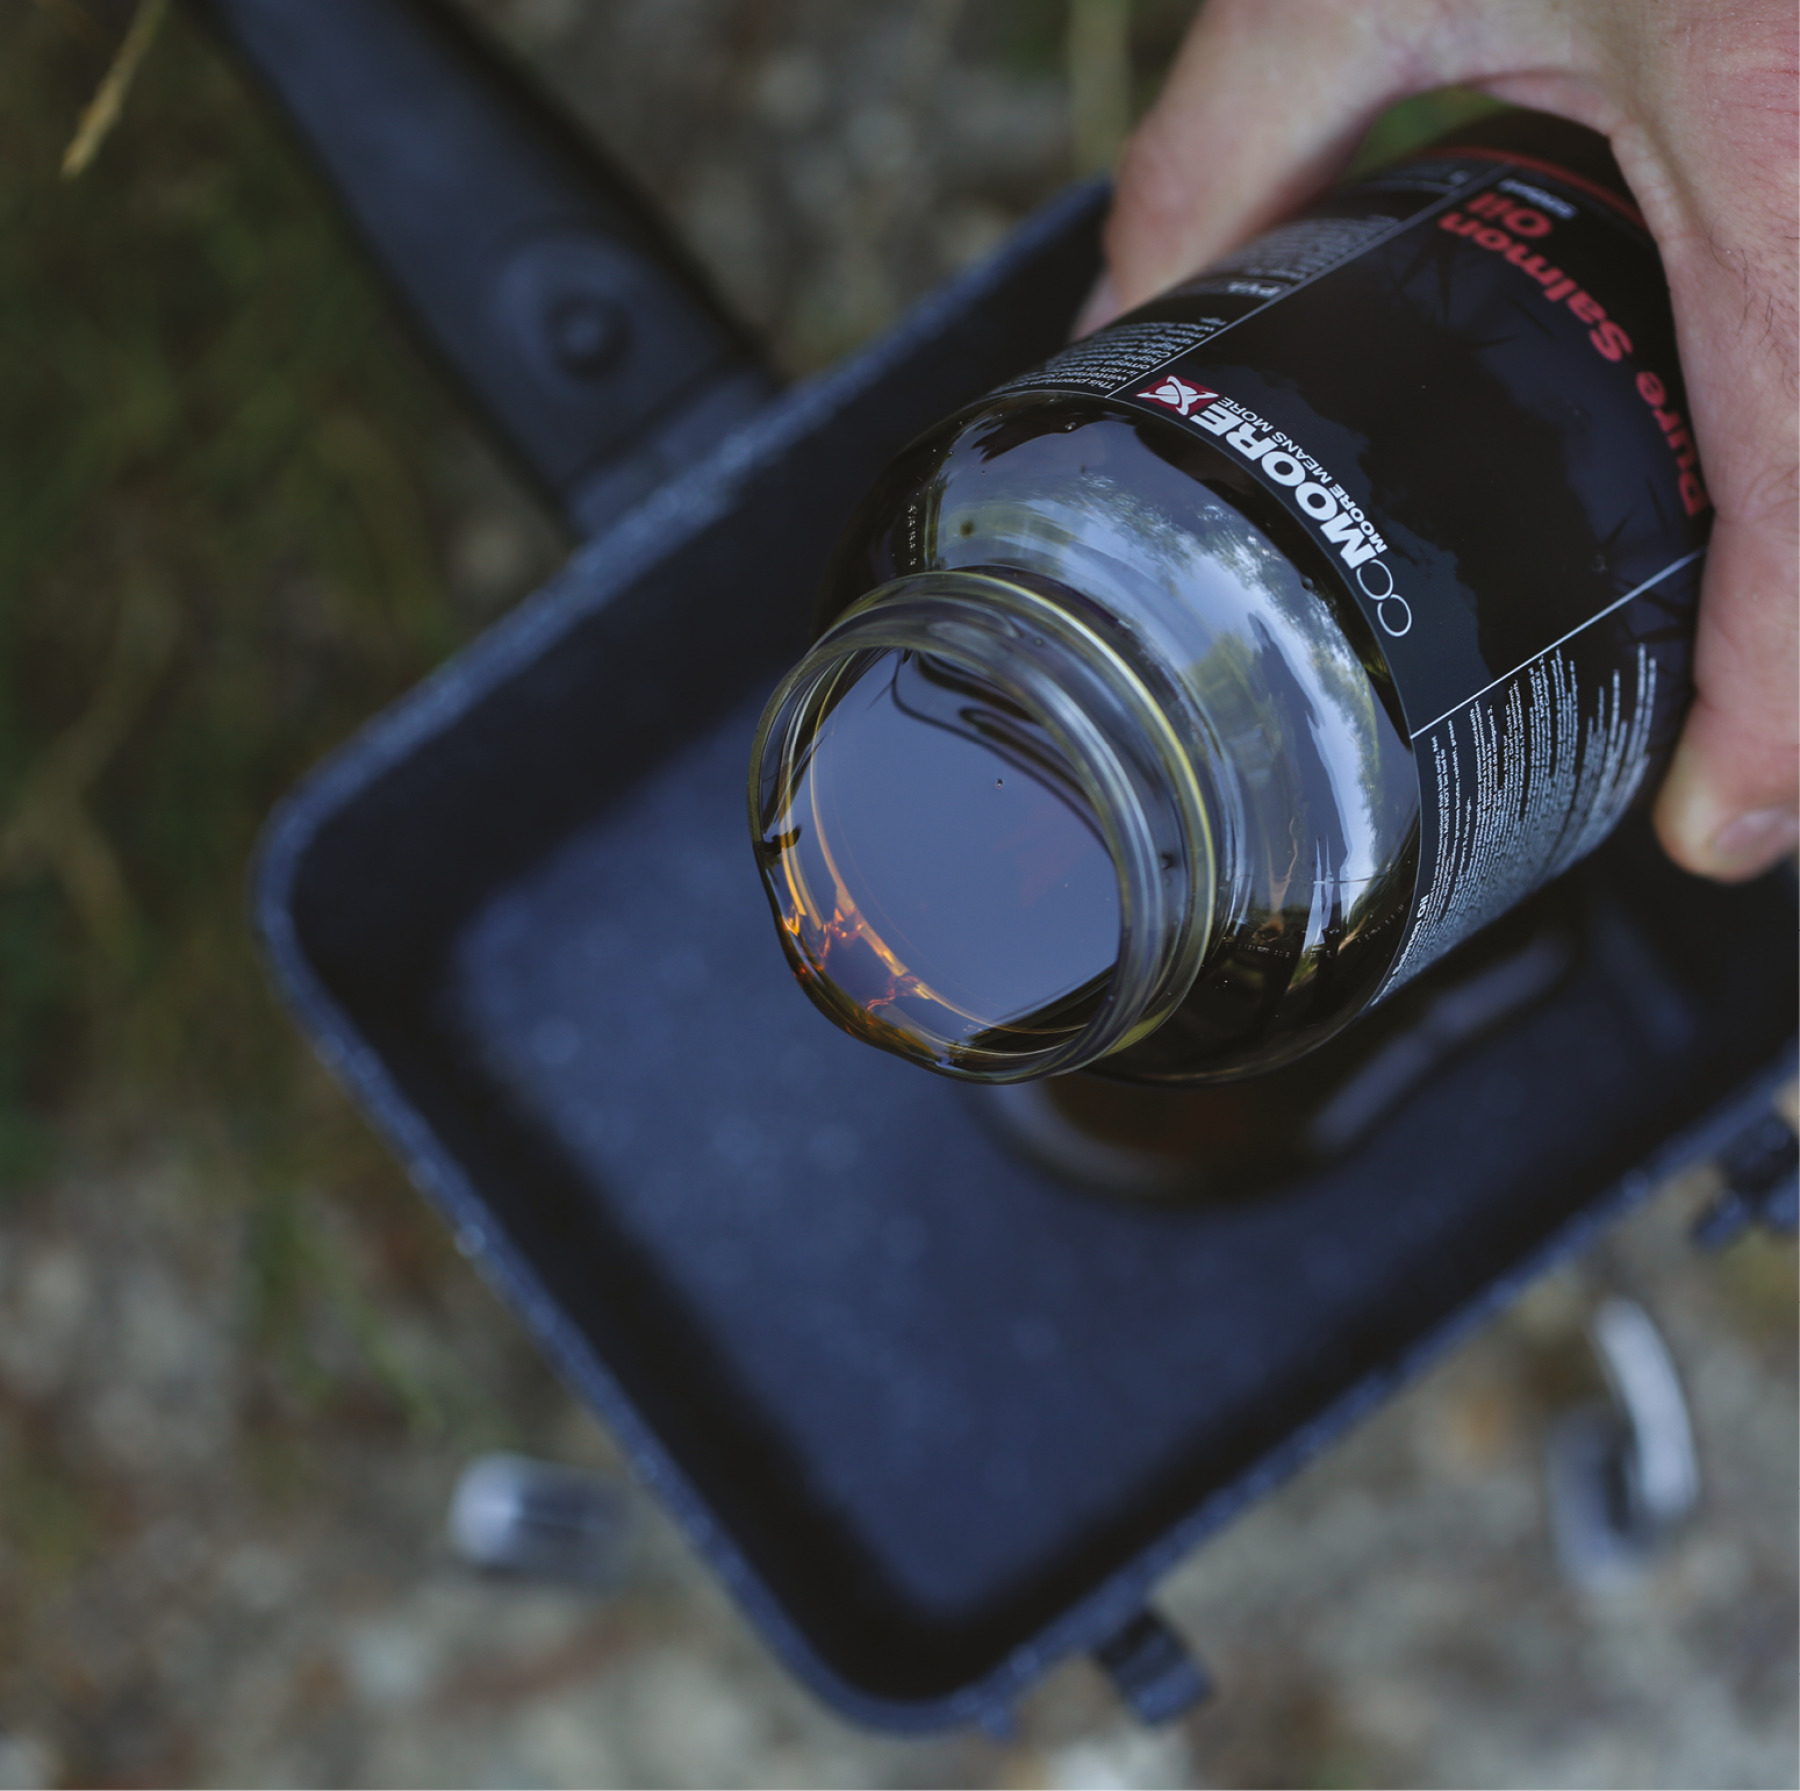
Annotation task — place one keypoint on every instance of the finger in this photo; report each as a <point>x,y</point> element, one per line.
<point>1714,170</point>
<point>1266,101</point>
<point>1727,807</point>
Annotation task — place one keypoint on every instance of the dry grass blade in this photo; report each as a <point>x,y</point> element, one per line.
<point>102,112</point>
<point>51,827</point>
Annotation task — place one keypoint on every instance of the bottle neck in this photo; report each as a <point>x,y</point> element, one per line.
<point>1108,727</point>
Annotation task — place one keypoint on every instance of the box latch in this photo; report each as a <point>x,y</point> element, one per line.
<point>1758,1169</point>
<point>1153,1670</point>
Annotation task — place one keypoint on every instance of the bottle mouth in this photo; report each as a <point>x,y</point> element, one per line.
<point>984,846</point>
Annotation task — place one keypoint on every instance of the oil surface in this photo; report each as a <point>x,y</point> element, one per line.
<point>936,869</point>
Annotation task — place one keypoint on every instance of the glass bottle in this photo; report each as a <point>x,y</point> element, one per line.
<point>1191,693</point>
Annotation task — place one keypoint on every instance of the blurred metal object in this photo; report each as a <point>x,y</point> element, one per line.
<point>1761,1169</point>
<point>1624,1476</point>
<point>539,1520</point>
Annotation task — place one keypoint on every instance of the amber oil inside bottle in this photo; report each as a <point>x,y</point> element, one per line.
<point>984,846</point>
<point>1084,627</point>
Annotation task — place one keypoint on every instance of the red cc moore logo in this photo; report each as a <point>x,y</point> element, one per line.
<point>1179,396</point>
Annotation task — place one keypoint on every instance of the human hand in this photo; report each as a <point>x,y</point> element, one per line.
<point>1268,99</point>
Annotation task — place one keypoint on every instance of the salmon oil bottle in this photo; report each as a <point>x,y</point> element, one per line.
<point>1185,696</point>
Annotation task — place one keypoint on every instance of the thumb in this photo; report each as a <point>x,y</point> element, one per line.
<point>1727,805</point>
<point>1266,101</point>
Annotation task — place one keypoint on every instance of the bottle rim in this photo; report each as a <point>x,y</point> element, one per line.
<point>1060,662</point>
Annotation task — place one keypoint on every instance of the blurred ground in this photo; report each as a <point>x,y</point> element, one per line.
<point>240,1363</point>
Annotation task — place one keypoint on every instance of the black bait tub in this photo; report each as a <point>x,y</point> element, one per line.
<point>936,1418</point>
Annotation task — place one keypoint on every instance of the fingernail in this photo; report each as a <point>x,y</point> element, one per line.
<point>1708,834</point>
<point>1751,842</point>
<point>1101,307</point>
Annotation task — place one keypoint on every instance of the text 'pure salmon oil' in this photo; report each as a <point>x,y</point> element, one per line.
<point>1185,696</point>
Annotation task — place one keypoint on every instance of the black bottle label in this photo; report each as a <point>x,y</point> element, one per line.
<point>1460,377</point>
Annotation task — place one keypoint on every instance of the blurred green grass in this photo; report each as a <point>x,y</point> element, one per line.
<point>217,553</point>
